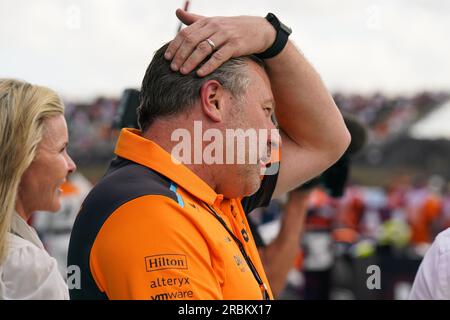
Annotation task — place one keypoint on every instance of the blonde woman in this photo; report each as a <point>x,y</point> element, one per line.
<point>33,165</point>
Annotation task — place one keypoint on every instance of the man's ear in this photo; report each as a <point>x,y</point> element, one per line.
<point>212,98</point>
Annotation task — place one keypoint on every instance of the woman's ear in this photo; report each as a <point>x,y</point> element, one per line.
<point>212,98</point>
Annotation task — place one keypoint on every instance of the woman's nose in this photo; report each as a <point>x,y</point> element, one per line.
<point>72,165</point>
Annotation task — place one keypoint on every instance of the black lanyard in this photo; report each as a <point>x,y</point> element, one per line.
<point>250,264</point>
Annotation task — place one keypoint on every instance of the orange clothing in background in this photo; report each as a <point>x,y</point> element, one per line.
<point>421,220</point>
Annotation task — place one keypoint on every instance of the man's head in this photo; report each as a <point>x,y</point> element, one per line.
<point>166,93</point>
<point>235,96</point>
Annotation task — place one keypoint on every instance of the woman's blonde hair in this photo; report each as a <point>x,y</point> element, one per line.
<point>23,108</point>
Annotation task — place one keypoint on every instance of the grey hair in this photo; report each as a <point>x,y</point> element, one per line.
<point>165,92</point>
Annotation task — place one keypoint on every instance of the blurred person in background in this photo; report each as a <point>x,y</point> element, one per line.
<point>424,207</point>
<point>432,280</point>
<point>33,165</point>
<point>281,254</point>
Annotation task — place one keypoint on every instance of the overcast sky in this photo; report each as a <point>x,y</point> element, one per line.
<point>83,48</point>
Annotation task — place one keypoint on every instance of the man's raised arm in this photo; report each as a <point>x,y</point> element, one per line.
<point>313,132</point>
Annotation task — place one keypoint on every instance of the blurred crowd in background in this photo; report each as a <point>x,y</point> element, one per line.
<point>93,136</point>
<point>390,224</point>
<point>387,117</point>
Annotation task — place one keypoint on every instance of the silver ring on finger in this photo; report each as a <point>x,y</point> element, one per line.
<point>211,43</point>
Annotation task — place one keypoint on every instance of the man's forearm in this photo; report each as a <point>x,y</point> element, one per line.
<point>314,135</point>
<point>305,110</point>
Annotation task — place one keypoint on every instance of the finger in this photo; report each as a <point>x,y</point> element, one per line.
<point>203,50</point>
<point>180,38</point>
<point>216,60</point>
<point>186,17</point>
<point>189,44</point>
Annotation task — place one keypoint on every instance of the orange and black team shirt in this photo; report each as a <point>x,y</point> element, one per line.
<point>146,231</point>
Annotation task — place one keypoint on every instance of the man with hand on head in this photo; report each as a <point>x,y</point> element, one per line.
<point>158,226</point>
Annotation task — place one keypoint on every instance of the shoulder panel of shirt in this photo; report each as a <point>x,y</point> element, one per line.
<point>123,182</point>
<point>149,240</point>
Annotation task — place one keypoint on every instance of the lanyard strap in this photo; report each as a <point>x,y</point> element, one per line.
<point>250,264</point>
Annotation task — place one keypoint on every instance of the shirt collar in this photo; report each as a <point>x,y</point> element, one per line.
<point>132,146</point>
<point>21,228</point>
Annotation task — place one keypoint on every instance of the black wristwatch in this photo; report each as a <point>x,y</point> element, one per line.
<point>281,38</point>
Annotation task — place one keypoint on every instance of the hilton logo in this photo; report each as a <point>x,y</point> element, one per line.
<point>165,261</point>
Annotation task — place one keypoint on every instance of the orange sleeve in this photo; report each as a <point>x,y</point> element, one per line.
<point>150,249</point>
